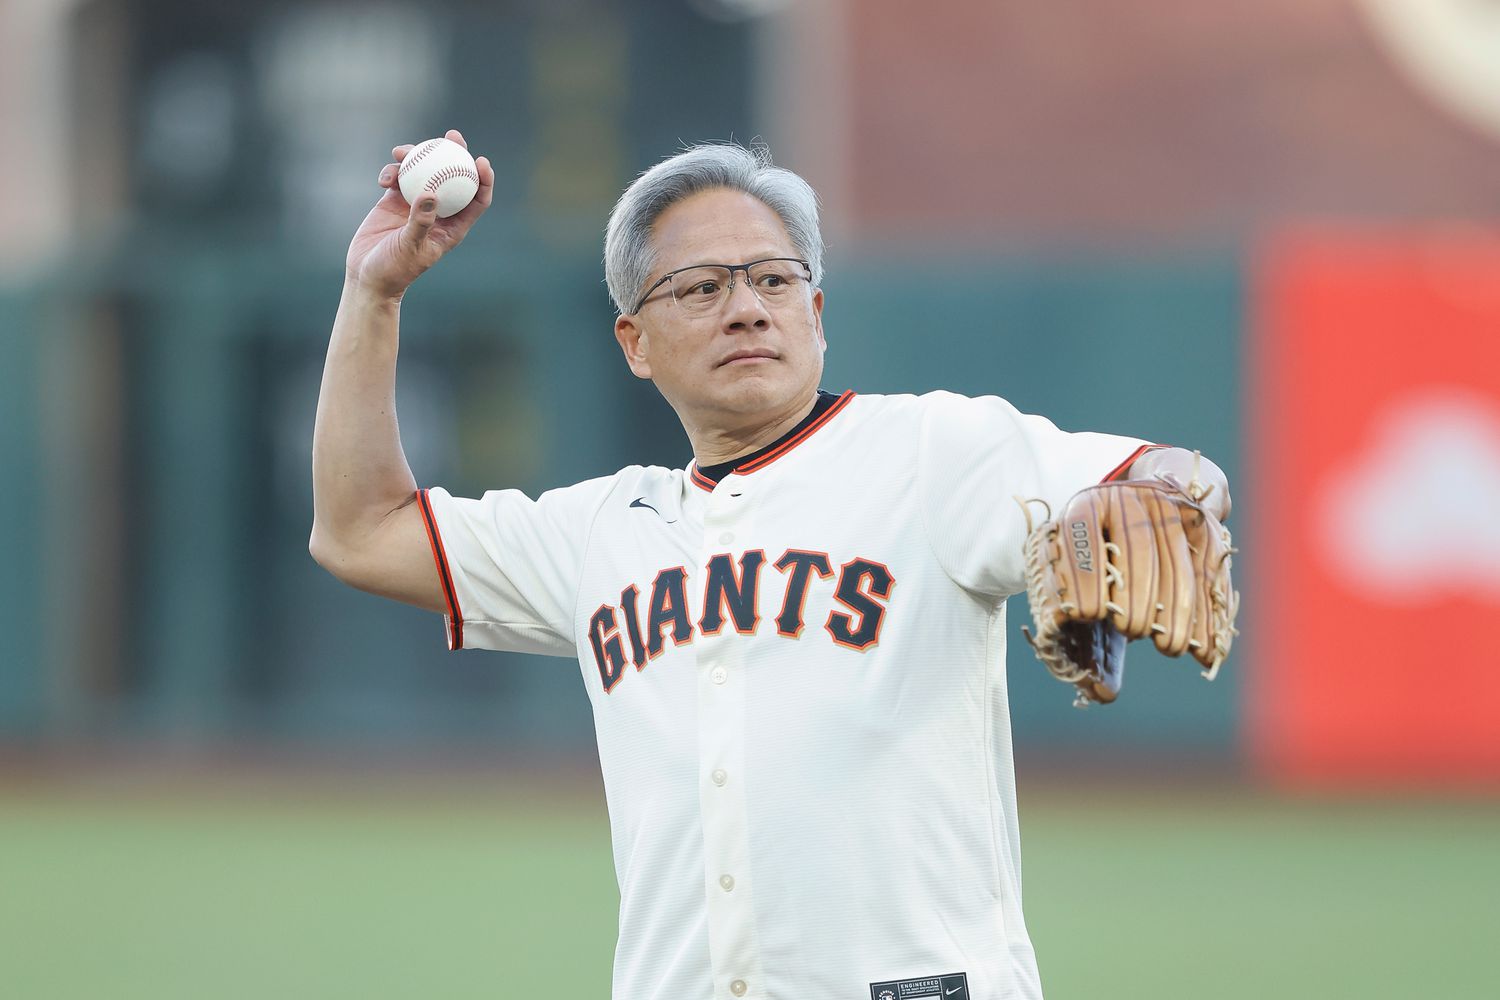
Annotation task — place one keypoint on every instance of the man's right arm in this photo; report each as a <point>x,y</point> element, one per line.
<point>367,529</point>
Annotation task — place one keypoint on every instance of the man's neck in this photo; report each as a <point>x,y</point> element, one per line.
<point>716,445</point>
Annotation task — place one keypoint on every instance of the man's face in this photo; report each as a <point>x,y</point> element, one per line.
<point>750,356</point>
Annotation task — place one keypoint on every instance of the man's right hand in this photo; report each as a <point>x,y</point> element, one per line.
<point>397,241</point>
<point>367,529</point>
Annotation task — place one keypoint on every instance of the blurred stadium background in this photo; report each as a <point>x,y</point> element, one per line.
<point>1264,228</point>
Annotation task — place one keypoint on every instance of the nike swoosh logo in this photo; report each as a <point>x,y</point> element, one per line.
<point>949,993</point>
<point>641,502</point>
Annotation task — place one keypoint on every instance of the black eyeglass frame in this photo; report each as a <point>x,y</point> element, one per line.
<point>731,268</point>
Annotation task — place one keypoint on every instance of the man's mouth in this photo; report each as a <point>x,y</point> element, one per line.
<point>749,357</point>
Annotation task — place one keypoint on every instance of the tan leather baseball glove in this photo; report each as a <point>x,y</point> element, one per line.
<point>1125,561</point>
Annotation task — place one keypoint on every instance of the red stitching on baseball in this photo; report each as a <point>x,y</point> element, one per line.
<point>417,154</point>
<point>447,173</point>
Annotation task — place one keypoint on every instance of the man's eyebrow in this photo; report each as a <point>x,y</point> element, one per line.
<point>770,255</point>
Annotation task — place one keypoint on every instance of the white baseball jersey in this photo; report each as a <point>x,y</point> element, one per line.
<point>798,684</point>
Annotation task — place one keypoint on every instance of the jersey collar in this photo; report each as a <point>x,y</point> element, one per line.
<point>825,409</point>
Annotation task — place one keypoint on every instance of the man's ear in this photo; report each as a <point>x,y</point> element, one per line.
<point>817,304</point>
<point>633,342</point>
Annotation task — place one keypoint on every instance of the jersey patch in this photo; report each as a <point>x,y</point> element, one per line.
<point>953,986</point>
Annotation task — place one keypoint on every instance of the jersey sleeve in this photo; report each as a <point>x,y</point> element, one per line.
<point>976,455</point>
<point>510,566</point>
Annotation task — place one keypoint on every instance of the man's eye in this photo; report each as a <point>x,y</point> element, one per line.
<point>772,280</point>
<point>704,288</point>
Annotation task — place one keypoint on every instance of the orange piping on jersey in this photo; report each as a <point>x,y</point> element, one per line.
<point>445,578</point>
<point>1124,466</point>
<point>700,480</point>
<point>788,445</point>
<point>704,483</point>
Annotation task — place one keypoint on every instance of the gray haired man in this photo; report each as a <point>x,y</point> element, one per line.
<point>793,646</point>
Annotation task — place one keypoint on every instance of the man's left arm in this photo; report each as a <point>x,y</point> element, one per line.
<point>1190,472</point>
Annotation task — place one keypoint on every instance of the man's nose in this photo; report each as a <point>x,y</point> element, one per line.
<point>744,307</point>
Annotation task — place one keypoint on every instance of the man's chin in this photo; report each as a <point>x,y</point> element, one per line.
<point>736,401</point>
<point>752,390</point>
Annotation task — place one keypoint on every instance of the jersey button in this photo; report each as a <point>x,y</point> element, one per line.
<point>726,882</point>
<point>726,538</point>
<point>739,987</point>
<point>719,776</point>
<point>720,675</point>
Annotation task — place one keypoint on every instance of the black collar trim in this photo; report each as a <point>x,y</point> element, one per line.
<point>827,406</point>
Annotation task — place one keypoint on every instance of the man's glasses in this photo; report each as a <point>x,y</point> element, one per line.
<point>703,288</point>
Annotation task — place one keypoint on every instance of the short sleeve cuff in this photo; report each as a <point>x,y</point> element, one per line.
<point>453,617</point>
<point>1123,469</point>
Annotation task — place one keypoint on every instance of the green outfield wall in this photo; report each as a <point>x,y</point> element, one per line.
<point>157,582</point>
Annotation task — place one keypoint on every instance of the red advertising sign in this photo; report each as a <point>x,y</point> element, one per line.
<point>1375,416</point>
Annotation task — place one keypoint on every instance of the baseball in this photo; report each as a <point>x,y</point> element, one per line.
<point>441,167</point>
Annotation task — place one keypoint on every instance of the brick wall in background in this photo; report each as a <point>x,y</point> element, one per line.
<point>1114,121</point>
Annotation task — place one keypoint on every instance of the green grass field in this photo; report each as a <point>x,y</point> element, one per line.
<point>458,890</point>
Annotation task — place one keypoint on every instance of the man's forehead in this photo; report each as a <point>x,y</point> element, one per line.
<point>721,226</point>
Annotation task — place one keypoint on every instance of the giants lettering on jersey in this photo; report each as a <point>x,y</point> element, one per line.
<point>637,631</point>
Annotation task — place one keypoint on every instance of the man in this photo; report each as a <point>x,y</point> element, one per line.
<point>794,647</point>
